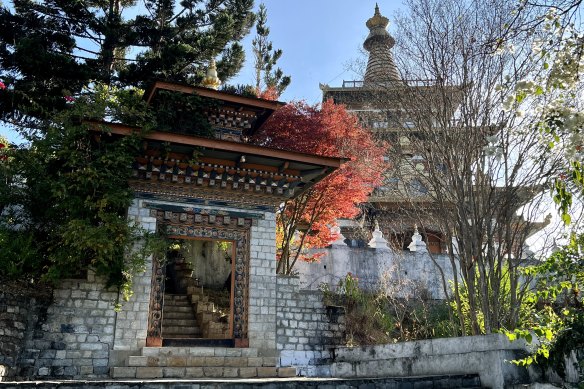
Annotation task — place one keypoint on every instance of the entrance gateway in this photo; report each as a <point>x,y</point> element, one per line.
<point>216,199</point>
<point>199,297</point>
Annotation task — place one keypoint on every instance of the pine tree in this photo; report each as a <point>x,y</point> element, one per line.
<point>179,45</point>
<point>52,49</point>
<point>266,78</point>
<point>62,60</point>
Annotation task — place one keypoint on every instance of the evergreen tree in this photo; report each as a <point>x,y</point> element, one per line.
<point>179,45</point>
<point>65,196</point>
<point>50,50</point>
<point>266,78</point>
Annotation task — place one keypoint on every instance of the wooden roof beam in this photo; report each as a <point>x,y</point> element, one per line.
<point>243,148</point>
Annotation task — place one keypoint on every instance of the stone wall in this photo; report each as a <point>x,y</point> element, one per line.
<point>131,322</point>
<point>76,338</point>
<point>82,334</point>
<point>374,266</point>
<point>310,337</point>
<point>21,310</point>
<point>487,355</point>
<point>306,329</point>
<point>262,286</point>
<point>72,337</point>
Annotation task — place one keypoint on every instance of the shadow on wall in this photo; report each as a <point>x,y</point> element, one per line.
<point>23,308</point>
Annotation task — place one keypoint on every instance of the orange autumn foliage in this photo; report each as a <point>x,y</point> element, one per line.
<point>270,93</point>
<point>327,130</point>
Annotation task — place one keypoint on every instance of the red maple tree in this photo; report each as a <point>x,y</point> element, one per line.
<point>328,130</point>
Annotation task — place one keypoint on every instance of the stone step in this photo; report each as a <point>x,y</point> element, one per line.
<point>199,351</point>
<point>180,303</point>
<point>175,296</point>
<point>178,315</point>
<point>173,322</point>
<point>171,307</point>
<point>178,329</point>
<point>175,301</point>
<point>176,308</point>
<point>143,372</point>
<point>183,335</point>
<point>201,361</point>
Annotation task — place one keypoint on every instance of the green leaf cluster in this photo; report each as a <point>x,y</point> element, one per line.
<point>69,195</point>
<point>555,308</point>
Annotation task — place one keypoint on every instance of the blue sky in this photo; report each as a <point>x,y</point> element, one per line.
<point>319,38</point>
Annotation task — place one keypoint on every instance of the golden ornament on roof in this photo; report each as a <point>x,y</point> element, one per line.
<point>211,80</point>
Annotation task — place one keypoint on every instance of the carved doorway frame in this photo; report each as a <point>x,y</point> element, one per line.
<point>179,225</point>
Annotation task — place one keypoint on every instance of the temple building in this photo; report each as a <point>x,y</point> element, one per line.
<point>387,105</point>
<point>408,115</point>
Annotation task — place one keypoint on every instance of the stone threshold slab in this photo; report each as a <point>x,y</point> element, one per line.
<point>468,381</point>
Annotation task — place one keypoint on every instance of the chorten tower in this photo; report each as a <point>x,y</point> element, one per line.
<point>380,66</point>
<point>383,102</point>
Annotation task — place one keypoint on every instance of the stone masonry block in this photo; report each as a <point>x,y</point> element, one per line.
<point>267,371</point>
<point>213,372</point>
<point>149,372</point>
<point>194,372</point>
<point>196,361</point>
<point>176,361</point>
<point>174,372</point>
<point>247,372</point>
<point>123,372</point>
<point>235,362</point>
<point>230,372</point>
<point>254,362</point>
<point>214,361</point>
<point>286,372</point>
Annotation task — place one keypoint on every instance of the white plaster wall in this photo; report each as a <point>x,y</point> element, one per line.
<point>486,355</point>
<point>377,266</point>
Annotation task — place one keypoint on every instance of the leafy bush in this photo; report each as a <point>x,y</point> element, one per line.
<point>19,254</point>
<point>554,309</point>
<point>384,316</point>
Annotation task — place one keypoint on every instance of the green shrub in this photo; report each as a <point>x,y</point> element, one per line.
<point>381,317</point>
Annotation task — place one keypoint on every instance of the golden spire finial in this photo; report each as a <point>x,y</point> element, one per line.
<point>380,66</point>
<point>211,80</point>
<point>377,20</point>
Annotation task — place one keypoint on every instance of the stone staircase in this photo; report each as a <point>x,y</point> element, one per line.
<point>213,324</point>
<point>201,362</point>
<point>179,318</point>
<point>190,314</point>
<point>189,318</point>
